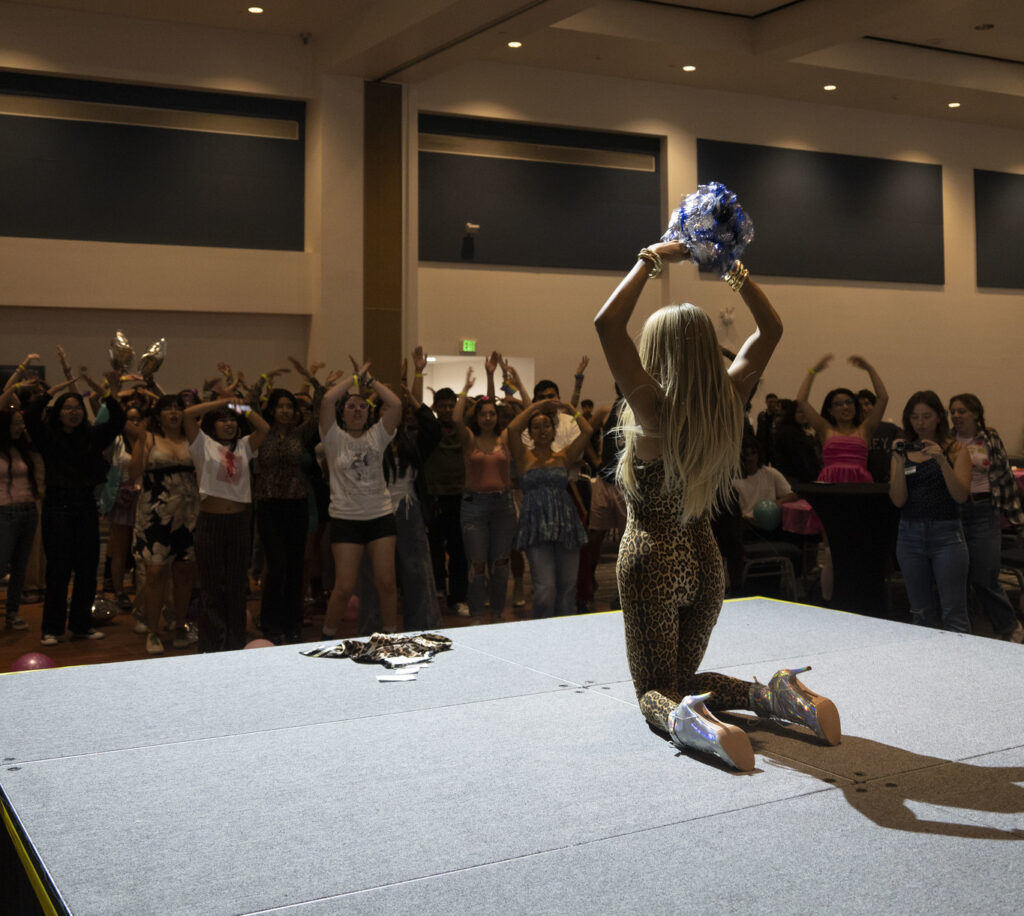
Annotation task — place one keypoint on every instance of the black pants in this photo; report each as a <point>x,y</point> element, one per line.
<point>222,561</point>
<point>282,525</point>
<point>71,540</point>
<point>444,532</point>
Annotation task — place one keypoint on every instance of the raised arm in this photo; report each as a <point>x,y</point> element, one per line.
<point>881,396</point>
<point>391,403</point>
<point>459,413</point>
<point>491,363</point>
<point>515,429</point>
<point>814,419</point>
<point>642,393</point>
<point>577,387</point>
<point>329,404</point>
<point>419,364</point>
<point>193,415</point>
<point>750,362</point>
<point>260,428</point>
<point>18,374</point>
<point>574,450</point>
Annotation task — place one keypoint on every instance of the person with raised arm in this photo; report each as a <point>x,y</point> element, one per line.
<point>550,531</point>
<point>223,462</point>
<point>841,427</point>
<point>682,427</point>
<point>73,450</point>
<point>488,513</point>
<point>362,516</point>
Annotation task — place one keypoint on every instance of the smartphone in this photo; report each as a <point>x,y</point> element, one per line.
<point>243,409</point>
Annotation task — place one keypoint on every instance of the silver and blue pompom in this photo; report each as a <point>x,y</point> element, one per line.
<point>711,223</point>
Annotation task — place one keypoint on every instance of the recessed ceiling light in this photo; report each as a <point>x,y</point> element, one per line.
<point>984,26</point>
<point>515,44</point>
<point>953,105</point>
<point>256,10</point>
<point>689,68</point>
<point>830,87</point>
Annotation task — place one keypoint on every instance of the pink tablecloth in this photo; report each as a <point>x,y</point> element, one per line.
<point>799,518</point>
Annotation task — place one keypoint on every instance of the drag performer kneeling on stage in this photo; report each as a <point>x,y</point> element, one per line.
<point>681,430</point>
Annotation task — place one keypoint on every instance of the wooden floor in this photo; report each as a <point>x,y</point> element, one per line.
<point>122,643</point>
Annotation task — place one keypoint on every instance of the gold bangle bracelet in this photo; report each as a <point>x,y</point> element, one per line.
<point>736,275</point>
<point>653,260</point>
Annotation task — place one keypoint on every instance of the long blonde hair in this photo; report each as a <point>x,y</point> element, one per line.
<point>701,416</point>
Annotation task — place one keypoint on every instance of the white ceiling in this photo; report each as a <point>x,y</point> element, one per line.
<point>901,56</point>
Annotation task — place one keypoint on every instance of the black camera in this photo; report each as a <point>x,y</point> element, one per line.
<point>900,448</point>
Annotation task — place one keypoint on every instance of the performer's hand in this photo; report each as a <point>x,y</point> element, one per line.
<point>671,252</point>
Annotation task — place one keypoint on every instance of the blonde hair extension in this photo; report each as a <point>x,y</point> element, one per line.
<point>701,419</point>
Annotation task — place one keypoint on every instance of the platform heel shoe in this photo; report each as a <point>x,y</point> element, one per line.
<point>784,697</point>
<point>693,727</point>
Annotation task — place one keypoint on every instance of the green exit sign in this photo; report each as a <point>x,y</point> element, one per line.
<point>469,346</point>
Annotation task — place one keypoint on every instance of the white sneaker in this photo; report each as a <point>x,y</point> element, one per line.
<point>89,634</point>
<point>462,609</point>
<point>140,628</point>
<point>48,639</point>
<point>154,645</point>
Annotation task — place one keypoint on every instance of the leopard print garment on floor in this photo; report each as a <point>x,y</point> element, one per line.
<point>671,585</point>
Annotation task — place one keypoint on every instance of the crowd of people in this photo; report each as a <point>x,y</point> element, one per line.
<point>347,491</point>
<point>355,487</point>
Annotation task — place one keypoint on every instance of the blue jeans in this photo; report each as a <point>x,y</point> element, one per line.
<point>488,526</point>
<point>414,572</point>
<point>983,531</point>
<point>553,570</point>
<point>17,529</point>
<point>933,558</point>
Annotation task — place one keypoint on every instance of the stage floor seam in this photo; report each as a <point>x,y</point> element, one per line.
<point>555,850</point>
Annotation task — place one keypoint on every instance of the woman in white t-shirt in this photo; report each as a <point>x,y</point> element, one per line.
<point>361,513</point>
<point>222,460</point>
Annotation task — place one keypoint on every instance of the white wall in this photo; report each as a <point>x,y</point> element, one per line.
<point>310,301</point>
<point>196,341</point>
<point>951,338</point>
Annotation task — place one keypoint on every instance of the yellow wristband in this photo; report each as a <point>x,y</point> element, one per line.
<point>813,371</point>
<point>355,380</point>
<point>578,415</point>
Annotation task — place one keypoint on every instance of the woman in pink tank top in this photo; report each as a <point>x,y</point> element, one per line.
<point>488,513</point>
<point>841,427</point>
<point>844,433</point>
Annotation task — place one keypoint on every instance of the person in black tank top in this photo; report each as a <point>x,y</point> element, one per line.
<point>930,475</point>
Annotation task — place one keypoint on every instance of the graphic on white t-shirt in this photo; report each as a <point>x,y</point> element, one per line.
<point>228,467</point>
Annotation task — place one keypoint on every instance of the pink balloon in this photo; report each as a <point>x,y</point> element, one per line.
<point>31,661</point>
<point>259,644</point>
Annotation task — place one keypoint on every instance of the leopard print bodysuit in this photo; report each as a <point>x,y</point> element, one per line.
<point>671,585</point>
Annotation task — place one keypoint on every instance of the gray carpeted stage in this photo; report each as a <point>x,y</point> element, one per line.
<point>516,775</point>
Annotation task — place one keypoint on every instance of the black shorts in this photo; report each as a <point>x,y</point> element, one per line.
<point>362,531</point>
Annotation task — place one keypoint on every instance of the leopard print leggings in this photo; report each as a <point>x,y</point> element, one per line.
<point>671,585</point>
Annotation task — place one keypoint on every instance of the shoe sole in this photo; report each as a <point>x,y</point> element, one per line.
<point>828,720</point>
<point>736,746</point>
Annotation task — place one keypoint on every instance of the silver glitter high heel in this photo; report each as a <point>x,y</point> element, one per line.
<point>693,727</point>
<point>784,697</point>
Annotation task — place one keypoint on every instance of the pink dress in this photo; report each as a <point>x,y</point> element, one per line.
<point>845,460</point>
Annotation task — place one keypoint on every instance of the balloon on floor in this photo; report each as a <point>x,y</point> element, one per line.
<point>32,660</point>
